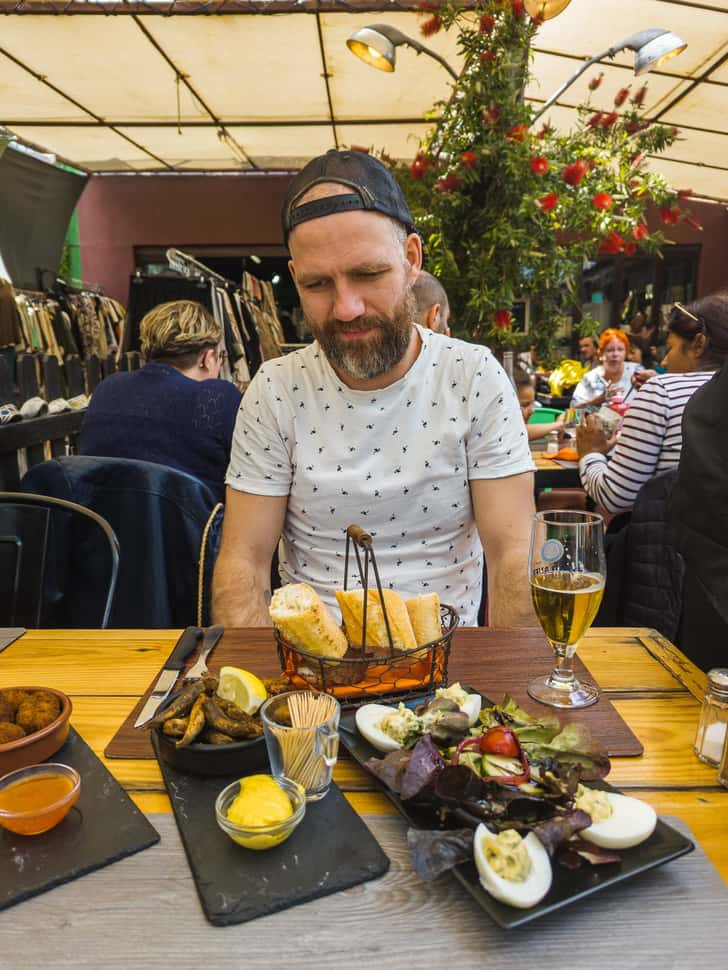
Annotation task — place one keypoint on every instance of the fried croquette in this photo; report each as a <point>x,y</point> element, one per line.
<point>32,715</point>
<point>7,710</point>
<point>14,696</point>
<point>10,732</point>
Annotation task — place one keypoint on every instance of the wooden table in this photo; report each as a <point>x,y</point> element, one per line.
<point>549,474</point>
<point>653,686</point>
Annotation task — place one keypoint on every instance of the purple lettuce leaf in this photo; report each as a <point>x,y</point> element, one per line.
<point>436,852</point>
<point>390,770</point>
<point>424,766</point>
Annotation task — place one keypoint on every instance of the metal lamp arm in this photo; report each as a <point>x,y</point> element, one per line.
<point>634,42</point>
<point>398,38</point>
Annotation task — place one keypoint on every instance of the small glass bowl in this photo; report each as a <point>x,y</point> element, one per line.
<point>44,806</point>
<point>261,836</point>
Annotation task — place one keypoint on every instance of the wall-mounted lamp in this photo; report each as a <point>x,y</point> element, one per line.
<point>376,45</point>
<point>651,47</point>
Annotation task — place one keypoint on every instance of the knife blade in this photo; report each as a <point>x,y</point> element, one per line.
<point>209,639</point>
<point>170,672</point>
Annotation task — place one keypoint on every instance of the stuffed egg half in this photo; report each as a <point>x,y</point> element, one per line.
<point>618,821</point>
<point>515,871</point>
<point>371,719</point>
<point>470,704</point>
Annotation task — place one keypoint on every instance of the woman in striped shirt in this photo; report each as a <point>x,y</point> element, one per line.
<point>651,437</point>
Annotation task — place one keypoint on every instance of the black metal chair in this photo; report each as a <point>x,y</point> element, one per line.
<point>59,563</point>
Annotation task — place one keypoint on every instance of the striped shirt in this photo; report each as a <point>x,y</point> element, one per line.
<point>649,442</point>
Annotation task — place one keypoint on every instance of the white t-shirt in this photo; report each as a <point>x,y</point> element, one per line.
<point>396,461</point>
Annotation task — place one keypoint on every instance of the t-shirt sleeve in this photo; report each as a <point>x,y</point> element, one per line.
<point>259,458</point>
<point>497,444</point>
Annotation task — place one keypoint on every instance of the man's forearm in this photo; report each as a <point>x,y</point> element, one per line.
<point>239,593</point>
<point>509,592</point>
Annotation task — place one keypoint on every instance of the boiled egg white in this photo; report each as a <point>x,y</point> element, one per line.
<point>367,718</point>
<point>471,706</point>
<point>631,822</point>
<point>521,894</point>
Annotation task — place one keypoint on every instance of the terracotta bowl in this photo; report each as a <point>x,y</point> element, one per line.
<point>36,747</point>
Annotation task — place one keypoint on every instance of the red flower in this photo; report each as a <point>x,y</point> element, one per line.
<point>418,168</point>
<point>640,231</point>
<point>669,215</point>
<point>612,243</point>
<point>449,183</point>
<point>632,127</point>
<point>574,173</point>
<point>502,319</point>
<point>547,202</point>
<point>547,129</point>
<point>539,165</point>
<point>487,23</point>
<point>431,26</point>
<point>636,159</point>
<point>693,221</point>
<point>469,159</point>
<point>639,96</point>
<point>491,115</point>
<point>487,56</point>
<point>596,81</point>
<point>517,8</point>
<point>675,132</point>
<point>517,133</point>
<point>538,19</point>
<point>603,200</point>
<point>593,122</point>
<point>621,96</point>
<point>630,248</point>
<point>684,193</point>
<point>428,5</point>
<point>609,119</point>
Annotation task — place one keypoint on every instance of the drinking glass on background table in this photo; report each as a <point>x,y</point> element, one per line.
<point>567,572</point>
<point>302,737</point>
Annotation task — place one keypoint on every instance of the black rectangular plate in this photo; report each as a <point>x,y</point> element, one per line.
<point>103,826</point>
<point>332,849</point>
<point>568,886</point>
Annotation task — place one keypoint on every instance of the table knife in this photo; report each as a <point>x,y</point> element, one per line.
<point>170,672</point>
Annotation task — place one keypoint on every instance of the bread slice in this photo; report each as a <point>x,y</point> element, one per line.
<point>303,619</point>
<point>351,603</point>
<point>424,614</point>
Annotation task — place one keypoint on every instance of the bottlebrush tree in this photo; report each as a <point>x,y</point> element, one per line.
<point>508,211</point>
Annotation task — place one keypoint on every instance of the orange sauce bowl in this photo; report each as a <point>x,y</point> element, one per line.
<point>36,798</point>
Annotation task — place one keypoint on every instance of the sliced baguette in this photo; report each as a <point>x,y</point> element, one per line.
<point>424,614</point>
<point>351,604</point>
<point>303,619</point>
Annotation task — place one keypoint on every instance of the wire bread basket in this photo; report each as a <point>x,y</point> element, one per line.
<point>363,673</point>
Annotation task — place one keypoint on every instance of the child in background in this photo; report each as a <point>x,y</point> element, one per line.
<point>526,393</point>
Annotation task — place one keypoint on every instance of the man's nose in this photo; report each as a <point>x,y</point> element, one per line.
<point>348,303</point>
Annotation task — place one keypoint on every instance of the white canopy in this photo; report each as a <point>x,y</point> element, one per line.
<point>269,84</point>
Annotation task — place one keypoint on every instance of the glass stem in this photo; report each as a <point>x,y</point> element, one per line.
<point>563,673</point>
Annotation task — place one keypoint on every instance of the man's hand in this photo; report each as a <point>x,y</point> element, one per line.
<point>591,436</point>
<point>503,509</point>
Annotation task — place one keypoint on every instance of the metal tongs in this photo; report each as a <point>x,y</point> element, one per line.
<point>361,540</point>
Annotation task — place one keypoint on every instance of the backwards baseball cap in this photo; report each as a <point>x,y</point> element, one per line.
<point>372,185</point>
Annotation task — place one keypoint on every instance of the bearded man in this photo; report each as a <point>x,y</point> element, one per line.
<point>414,436</point>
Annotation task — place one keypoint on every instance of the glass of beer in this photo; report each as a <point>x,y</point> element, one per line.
<point>567,571</point>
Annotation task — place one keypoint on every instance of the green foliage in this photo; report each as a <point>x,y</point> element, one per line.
<point>509,213</point>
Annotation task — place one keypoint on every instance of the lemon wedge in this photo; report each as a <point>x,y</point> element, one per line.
<point>242,688</point>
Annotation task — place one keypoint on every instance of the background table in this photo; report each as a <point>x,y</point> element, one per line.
<point>654,687</point>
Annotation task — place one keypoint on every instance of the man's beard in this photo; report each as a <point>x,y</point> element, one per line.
<point>374,355</point>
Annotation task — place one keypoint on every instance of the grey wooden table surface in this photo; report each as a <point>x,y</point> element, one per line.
<point>143,912</point>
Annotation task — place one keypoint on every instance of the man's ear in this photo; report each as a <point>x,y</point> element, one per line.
<point>413,255</point>
<point>432,318</point>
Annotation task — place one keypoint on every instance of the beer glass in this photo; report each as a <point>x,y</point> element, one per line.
<point>567,572</point>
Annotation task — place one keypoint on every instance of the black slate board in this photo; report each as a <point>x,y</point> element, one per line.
<point>332,849</point>
<point>568,886</point>
<point>102,827</point>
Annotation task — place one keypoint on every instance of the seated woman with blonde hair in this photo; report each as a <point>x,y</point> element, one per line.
<point>173,411</point>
